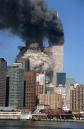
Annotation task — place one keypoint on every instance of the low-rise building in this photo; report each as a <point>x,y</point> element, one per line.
<point>9,113</point>
<point>54,100</point>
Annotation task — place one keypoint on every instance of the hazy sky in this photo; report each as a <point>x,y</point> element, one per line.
<point>71,13</point>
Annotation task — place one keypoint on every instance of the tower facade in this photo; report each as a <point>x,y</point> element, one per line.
<point>57,59</point>
<point>16,86</point>
<point>3,68</point>
<point>30,90</point>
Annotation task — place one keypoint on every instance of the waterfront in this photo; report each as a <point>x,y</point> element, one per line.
<point>11,124</point>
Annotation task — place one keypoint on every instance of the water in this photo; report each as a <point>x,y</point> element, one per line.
<point>40,125</point>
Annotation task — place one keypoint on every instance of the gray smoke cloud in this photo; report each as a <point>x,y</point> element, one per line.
<point>31,20</point>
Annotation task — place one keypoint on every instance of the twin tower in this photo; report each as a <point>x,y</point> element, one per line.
<point>49,60</point>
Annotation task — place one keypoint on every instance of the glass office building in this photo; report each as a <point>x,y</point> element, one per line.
<point>60,78</point>
<point>16,86</point>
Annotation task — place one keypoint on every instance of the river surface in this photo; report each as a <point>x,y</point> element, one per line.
<point>4,124</point>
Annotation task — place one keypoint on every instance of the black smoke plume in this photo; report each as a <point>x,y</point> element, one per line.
<point>31,20</point>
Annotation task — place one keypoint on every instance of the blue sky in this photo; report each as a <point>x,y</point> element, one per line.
<point>71,13</point>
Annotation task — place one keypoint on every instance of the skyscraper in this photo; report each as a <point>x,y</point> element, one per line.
<point>16,86</point>
<point>7,91</point>
<point>3,68</point>
<point>24,63</point>
<point>57,59</point>
<point>60,79</point>
<point>30,90</point>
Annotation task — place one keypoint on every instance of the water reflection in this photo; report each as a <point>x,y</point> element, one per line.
<point>39,125</point>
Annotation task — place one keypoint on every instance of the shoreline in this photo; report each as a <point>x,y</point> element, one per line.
<point>79,121</point>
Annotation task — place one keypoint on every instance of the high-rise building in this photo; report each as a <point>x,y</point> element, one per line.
<point>70,81</point>
<point>24,63</point>
<point>60,79</point>
<point>58,60</point>
<point>39,89</point>
<point>3,68</point>
<point>40,83</point>
<point>16,85</point>
<point>7,91</point>
<point>77,99</point>
<point>30,90</point>
<point>69,88</point>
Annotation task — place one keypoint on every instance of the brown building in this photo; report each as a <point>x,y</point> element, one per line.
<point>54,100</point>
<point>30,90</point>
<point>77,99</point>
<point>3,68</point>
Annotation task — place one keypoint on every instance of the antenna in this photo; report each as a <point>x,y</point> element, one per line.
<point>57,14</point>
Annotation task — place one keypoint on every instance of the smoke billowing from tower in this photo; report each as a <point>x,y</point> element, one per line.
<point>31,20</point>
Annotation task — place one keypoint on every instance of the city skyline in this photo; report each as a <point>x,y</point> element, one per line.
<point>72,19</point>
